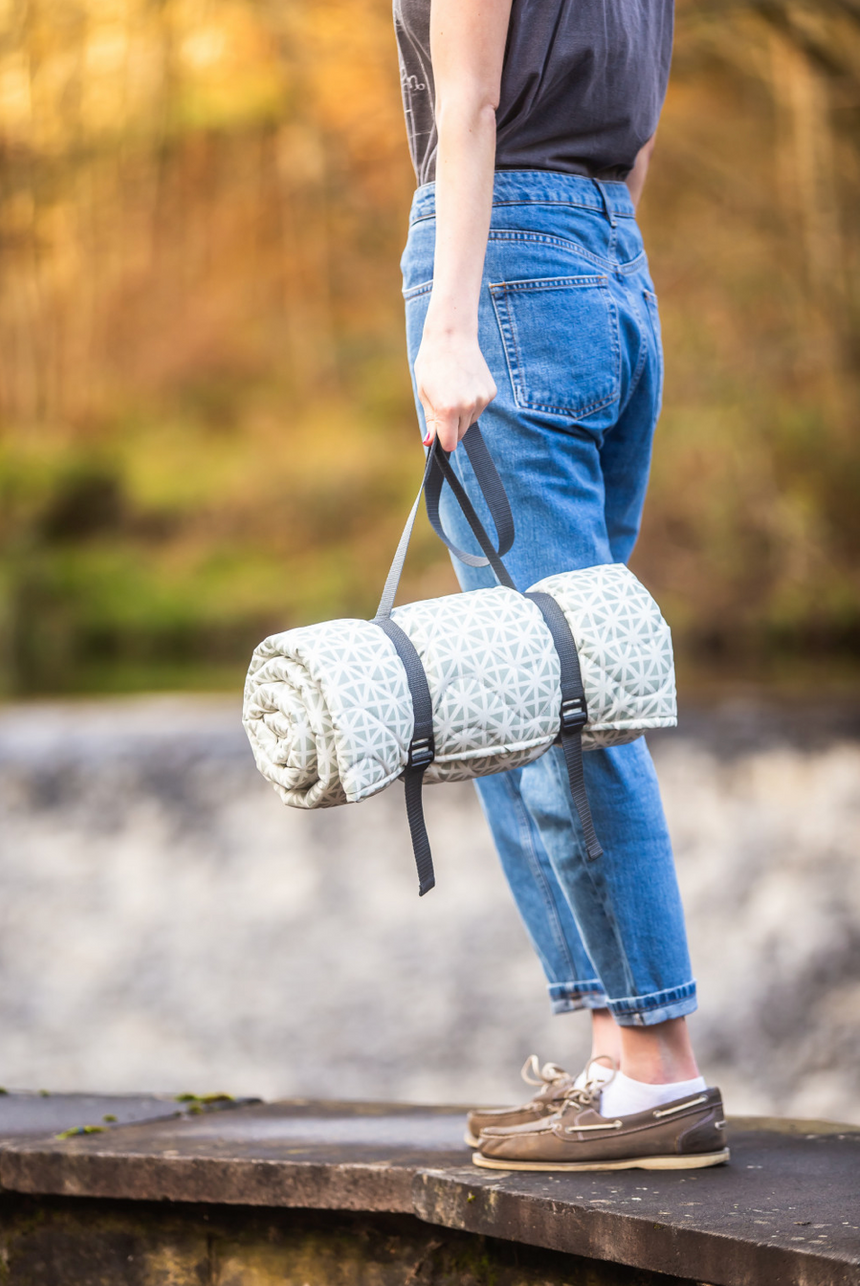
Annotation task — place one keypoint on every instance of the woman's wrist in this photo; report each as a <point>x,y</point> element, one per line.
<point>446,321</point>
<point>454,332</point>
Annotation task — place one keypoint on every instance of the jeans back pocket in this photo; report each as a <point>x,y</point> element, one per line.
<point>562,343</point>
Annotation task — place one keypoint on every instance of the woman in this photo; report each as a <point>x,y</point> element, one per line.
<point>529,304</point>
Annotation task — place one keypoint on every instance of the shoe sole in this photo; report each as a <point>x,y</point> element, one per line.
<point>471,1140</point>
<point>695,1161</point>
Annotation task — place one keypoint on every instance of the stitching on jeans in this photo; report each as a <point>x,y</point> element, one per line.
<point>572,205</point>
<point>501,324</point>
<point>612,266</point>
<point>649,1014</point>
<point>564,787</point>
<point>655,326</point>
<point>648,294</point>
<point>577,990</point>
<point>414,292</point>
<point>500,306</point>
<point>571,1004</point>
<point>654,999</point>
<point>549,283</point>
<point>588,987</point>
<point>422,217</point>
<point>539,876</point>
<point>552,205</point>
<point>637,374</point>
<point>573,247</point>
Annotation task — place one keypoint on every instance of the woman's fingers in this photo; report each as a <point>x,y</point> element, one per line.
<point>447,427</point>
<point>430,424</point>
<point>450,426</point>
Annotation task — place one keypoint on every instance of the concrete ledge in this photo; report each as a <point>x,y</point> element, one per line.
<point>786,1210</point>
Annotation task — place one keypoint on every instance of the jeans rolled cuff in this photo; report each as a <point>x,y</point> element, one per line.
<point>566,997</point>
<point>655,1007</point>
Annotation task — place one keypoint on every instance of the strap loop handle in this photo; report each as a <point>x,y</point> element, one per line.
<point>438,471</point>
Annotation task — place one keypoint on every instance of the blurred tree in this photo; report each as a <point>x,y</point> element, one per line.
<point>206,424</point>
<point>752,221</point>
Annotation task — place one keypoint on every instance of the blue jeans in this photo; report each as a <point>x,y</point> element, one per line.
<point>568,325</point>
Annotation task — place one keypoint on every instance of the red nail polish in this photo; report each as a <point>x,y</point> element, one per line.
<point>426,441</point>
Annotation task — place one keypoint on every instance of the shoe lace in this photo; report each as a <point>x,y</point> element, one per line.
<point>549,1074</point>
<point>588,1095</point>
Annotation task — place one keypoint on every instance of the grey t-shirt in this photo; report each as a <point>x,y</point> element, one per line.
<point>583,83</point>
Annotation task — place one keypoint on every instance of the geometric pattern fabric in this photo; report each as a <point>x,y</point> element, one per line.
<point>625,652</point>
<point>329,714</point>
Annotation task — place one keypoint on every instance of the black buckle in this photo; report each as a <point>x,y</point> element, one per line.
<point>422,752</point>
<point>574,714</point>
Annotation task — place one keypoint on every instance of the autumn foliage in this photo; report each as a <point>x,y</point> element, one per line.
<point>206,421</point>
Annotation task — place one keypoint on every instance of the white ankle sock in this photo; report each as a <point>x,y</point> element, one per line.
<point>623,1096</point>
<point>594,1072</point>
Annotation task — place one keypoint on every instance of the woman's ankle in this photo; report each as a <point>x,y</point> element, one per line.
<point>605,1036</point>
<point>658,1055</point>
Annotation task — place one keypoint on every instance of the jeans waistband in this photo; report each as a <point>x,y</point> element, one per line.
<point>542,187</point>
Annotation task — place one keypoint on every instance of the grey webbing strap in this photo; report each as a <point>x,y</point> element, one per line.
<point>442,472</point>
<point>395,571</point>
<point>493,492</point>
<point>436,470</point>
<point>492,487</point>
<point>421,749</point>
<point>574,712</point>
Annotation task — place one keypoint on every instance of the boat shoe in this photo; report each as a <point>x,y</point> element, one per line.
<point>686,1134</point>
<point>554,1084</point>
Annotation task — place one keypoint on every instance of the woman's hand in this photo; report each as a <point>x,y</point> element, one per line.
<point>454,384</point>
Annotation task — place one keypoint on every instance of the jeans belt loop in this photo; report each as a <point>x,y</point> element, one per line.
<point>607,209</point>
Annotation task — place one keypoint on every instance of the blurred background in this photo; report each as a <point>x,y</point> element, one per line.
<point>207,434</point>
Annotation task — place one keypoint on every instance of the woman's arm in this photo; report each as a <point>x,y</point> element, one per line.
<point>636,177</point>
<point>467,46</point>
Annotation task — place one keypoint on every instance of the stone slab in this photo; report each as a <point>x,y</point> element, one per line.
<point>25,1114</point>
<point>786,1211</point>
<point>327,1156</point>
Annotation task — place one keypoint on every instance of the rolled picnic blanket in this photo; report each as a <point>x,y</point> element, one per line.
<point>329,713</point>
<point>460,686</point>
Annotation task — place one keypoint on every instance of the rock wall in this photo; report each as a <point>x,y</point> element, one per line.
<point>80,1242</point>
<point>166,924</point>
